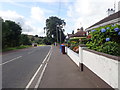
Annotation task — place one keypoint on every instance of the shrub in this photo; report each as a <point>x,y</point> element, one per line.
<point>110,48</point>
<point>105,39</point>
<point>83,40</point>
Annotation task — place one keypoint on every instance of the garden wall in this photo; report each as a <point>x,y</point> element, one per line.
<point>104,66</point>
<point>74,56</point>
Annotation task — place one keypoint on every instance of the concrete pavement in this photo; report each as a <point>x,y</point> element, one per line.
<point>61,72</point>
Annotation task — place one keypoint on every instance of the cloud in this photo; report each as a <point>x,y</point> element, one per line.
<point>46,1</point>
<point>79,13</point>
<point>12,15</point>
<point>37,14</point>
<point>28,24</point>
<point>37,18</point>
<point>87,12</point>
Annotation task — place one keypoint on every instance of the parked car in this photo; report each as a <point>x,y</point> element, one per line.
<point>34,44</point>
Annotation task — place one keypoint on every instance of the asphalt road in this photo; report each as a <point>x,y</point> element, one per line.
<point>18,67</point>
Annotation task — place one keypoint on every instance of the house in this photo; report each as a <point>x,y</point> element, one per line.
<point>79,33</point>
<point>111,19</point>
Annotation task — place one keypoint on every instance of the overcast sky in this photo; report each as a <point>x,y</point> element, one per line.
<point>31,14</point>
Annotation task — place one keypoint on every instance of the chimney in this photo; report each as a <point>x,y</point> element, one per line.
<point>110,11</point>
<point>78,30</point>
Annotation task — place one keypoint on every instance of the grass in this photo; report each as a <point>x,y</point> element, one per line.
<point>41,45</point>
<point>16,48</point>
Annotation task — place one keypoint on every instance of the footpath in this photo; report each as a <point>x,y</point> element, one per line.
<point>62,72</point>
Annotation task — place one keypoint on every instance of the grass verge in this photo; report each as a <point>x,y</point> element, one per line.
<point>15,48</point>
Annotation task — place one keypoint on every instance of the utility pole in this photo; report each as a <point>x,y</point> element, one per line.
<point>57,32</point>
<point>60,35</point>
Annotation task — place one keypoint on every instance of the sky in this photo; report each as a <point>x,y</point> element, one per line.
<point>32,14</point>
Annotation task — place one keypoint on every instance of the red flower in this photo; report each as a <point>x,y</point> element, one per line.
<point>89,36</point>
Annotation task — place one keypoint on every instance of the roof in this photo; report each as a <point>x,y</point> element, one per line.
<point>78,34</point>
<point>110,17</point>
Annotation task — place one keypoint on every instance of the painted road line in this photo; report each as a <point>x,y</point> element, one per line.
<point>11,60</point>
<point>40,78</point>
<point>47,55</point>
<point>30,82</point>
<point>28,85</point>
<point>41,75</point>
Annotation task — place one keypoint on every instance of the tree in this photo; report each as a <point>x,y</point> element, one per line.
<point>36,35</point>
<point>24,40</point>
<point>10,34</point>
<point>54,27</point>
<point>32,39</point>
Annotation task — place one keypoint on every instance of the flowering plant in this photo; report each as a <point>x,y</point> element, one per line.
<point>107,39</point>
<point>103,30</point>
<point>106,35</point>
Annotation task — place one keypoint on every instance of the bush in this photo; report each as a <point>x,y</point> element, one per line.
<point>83,40</point>
<point>110,48</point>
<point>105,39</point>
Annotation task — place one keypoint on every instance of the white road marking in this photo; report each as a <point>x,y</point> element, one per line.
<point>30,82</point>
<point>11,60</point>
<point>40,78</point>
<point>41,75</point>
<point>33,77</point>
<point>47,55</point>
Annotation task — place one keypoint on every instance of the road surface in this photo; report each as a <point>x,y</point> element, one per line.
<point>19,67</point>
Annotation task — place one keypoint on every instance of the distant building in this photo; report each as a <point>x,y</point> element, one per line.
<point>79,33</point>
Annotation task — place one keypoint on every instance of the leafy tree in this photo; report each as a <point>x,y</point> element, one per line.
<point>54,28</point>
<point>10,34</point>
<point>47,41</point>
<point>24,40</point>
<point>32,39</point>
<point>36,35</point>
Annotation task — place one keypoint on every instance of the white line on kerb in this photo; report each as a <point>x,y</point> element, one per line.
<point>11,60</point>
<point>30,82</point>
